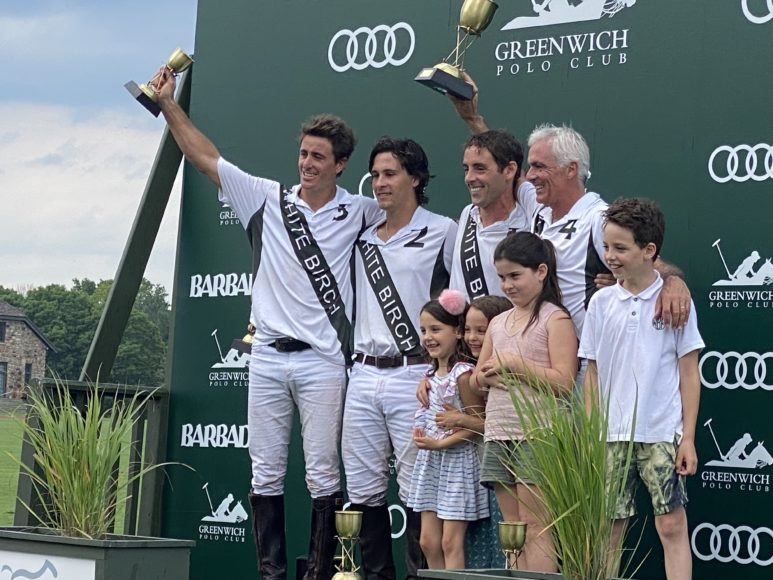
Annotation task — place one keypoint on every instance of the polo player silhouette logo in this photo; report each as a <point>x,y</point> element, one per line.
<point>745,274</point>
<point>233,359</point>
<point>738,456</point>
<point>564,11</point>
<point>225,514</point>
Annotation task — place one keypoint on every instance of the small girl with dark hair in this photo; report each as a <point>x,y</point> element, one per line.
<point>444,486</point>
<point>535,341</point>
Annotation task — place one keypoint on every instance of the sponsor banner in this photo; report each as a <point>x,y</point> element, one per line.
<point>532,52</point>
<point>224,521</point>
<point>726,543</point>
<point>217,285</point>
<point>45,567</point>
<point>741,163</point>
<point>733,370</point>
<point>757,11</point>
<point>744,465</point>
<point>214,436</point>
<point>371,47</point>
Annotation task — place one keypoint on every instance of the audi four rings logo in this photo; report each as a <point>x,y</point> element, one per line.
<point>732,369</point>
<point>757,18</point>
<point>757,162</point>
<point>726,544</point>
<point>364,48</point>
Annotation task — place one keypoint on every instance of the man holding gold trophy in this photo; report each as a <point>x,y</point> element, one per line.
<point>301,308</point>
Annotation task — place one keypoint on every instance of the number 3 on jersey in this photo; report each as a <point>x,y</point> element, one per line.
<point>569,229</point>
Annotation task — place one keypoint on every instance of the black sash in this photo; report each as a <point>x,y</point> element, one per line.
<point>314,264</point>
<point>392,308</point>
<point>472,269</point>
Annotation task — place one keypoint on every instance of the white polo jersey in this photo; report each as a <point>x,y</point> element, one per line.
<point>473,272</point>
<point>578,239</point>
<point>408,270</point>
<point>638,362</point>
<point>311,304</point>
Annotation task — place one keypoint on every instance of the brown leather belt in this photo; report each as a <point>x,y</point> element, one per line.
<point>289,345</point>
<point>389,362</point>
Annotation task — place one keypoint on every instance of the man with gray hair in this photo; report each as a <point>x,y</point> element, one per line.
<point>572,217</point>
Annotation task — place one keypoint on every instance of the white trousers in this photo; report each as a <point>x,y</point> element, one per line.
<point>279,382</point>
<point>378,421</point>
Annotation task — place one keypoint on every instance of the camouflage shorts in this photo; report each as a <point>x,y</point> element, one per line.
<point>652,463</point>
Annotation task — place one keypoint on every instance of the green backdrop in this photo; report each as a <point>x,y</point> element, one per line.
<point>674,100</point>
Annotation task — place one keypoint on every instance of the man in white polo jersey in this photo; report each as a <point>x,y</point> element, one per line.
<point>400,264</point>
<point>502,202</point>
<point>302,239</point>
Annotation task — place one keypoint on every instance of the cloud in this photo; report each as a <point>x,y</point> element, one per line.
<point>81,52</point>
<point>70,187</point>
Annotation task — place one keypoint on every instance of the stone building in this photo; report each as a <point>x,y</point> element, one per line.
<point>23,350</point>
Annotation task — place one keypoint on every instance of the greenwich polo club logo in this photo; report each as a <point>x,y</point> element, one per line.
<point>744,454</point>
<point>375,47</point>
<point>568,52</point>
<point>227,216</point>
<point>230,370</point>
<point>227,515</point>
<point>760,12</point>
<point>751,271</point>
<point>737,544</point>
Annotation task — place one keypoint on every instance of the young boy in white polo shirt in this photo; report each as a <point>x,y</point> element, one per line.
<point>640,366</point>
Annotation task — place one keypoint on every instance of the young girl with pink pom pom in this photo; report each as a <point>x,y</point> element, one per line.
<point>444,485</point>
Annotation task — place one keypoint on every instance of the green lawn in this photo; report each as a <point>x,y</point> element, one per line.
<point>10,442</point>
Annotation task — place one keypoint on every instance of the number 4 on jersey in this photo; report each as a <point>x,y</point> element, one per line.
<point>569,228</point>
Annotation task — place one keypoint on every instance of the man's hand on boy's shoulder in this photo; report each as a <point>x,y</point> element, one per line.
<point>673,303</point>
<point>686,458</point>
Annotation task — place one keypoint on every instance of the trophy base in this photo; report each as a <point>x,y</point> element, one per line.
<point>445,83</point>
<point>241,346</point>
<point>143,98</point>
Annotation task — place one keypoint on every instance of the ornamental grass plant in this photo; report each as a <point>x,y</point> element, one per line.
<point>567,463</point>
<point>76,453</point>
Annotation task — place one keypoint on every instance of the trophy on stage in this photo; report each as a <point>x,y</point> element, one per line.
<point>512,536</point>
<point>147,93</point>
<point>348,525</point>
<point>446,77</point>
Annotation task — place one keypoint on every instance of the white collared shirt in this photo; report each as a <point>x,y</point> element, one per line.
<point>638,362</point>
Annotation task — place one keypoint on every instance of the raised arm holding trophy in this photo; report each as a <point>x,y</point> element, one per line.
<point>447,76</point>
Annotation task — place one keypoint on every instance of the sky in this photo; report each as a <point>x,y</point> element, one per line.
<point>75,148</point>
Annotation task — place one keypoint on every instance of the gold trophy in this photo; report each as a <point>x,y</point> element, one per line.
<point>348,525</point>
<point>244,345</point>
<point>446,77</point>
<point>512,536</point>
<point>147,93</point>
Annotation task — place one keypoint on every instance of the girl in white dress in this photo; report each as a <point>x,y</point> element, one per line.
<point>444,486</point>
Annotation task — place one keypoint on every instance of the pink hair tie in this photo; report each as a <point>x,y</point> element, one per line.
<point>452,301</point>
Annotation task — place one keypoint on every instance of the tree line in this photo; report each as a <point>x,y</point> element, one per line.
<point>68,318</point>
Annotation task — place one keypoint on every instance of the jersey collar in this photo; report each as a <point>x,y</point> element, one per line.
<point>588,199</point>
<point>340,198</point>
<point>650,292</point>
